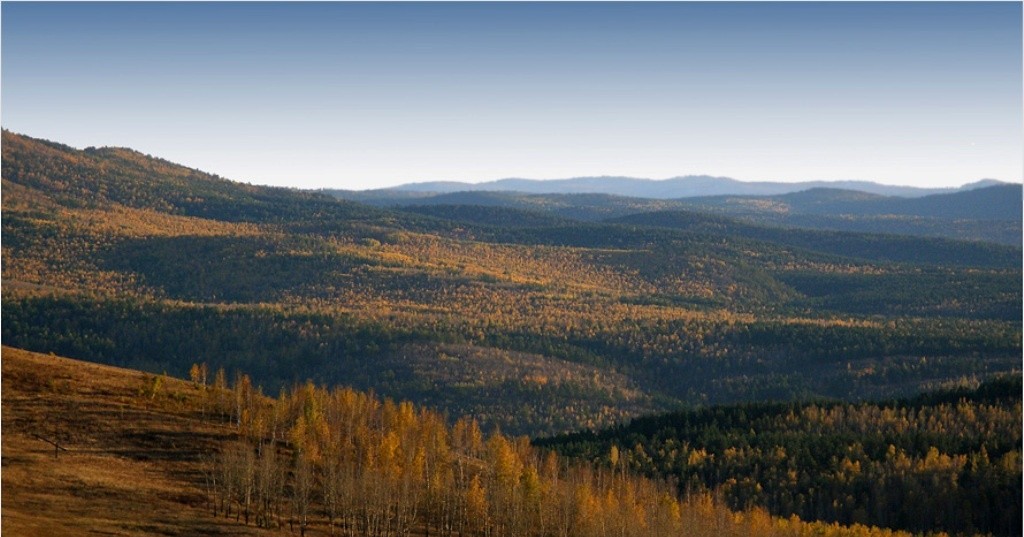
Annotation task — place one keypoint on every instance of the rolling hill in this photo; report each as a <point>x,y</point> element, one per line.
<point>990,213</point>
<point>530,322</point>
<point>996,202</point>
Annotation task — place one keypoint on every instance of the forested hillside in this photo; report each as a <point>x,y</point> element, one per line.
<point>946,461</point>
<point>529,322</point>
<point>990,212</point>
<point>94,449</point>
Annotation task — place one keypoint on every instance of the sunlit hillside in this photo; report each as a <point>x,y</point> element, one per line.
<point>96,449</point>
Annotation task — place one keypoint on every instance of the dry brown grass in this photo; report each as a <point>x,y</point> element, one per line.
<point>133,464</point>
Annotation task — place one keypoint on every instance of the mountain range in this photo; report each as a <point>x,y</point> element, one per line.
<point>675,187</point>
<point>984,213</point>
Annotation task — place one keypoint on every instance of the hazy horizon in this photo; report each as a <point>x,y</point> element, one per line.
<point>556,179</point>
<point>566,178</point>
<point>361,96</point>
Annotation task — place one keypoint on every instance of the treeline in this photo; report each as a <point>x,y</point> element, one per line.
<point>919,293</point>
<point>347,463</point>
<point>1007,232</point>
<point>948,461</point>
<point>875,247</point>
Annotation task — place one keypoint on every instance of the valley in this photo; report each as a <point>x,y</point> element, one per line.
<point>532,315</point>
<point>511,269</point>
<point>116,257</point>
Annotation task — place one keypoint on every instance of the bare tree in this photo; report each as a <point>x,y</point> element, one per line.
<point>269,485</point>
<point>302,492</point>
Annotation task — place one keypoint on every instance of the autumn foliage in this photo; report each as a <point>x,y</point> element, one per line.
<point>347,463</point>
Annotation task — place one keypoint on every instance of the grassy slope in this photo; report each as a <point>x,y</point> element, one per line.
<point>132,465</point>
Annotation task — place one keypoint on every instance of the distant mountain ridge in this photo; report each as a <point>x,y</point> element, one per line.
<point>986,213</point>
<point>1000,202</point>
<point>676,187</point>
<point>994,202</point>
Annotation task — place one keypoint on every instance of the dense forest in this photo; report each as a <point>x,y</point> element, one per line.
<point>948,460</point>
<point>362,466</point>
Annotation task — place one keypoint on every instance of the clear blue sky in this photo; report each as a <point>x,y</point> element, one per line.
<point>375,94</point>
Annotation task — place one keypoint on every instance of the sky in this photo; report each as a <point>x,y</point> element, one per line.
<point>370,95</point>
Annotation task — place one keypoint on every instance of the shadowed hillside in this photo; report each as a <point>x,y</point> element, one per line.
<point>984,212</point>
<point>947,460</point>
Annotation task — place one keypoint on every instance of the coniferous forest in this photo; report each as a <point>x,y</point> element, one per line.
<point>793,380</point>
<point>942,460</point>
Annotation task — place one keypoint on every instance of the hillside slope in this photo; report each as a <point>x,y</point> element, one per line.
<point>129,463</point>
<point>150,455</point>
<point>996,202</point>
<point>869,246</point>
<point>948,460</point>
<point>990,213</point>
